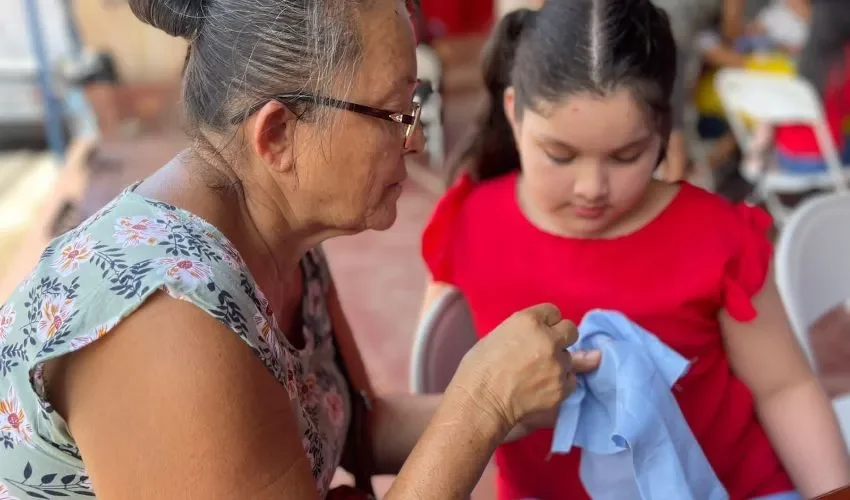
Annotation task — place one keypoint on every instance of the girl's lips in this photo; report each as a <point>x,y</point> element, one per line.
<point>588,212</point>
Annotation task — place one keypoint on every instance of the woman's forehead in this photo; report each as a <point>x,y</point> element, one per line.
<point>389,48</point>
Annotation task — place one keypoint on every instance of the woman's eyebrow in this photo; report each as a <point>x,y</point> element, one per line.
<point>402,84</point>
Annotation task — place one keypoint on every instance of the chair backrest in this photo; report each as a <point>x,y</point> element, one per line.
<point>429,66</point>
<point>813,262</point>
<point>776,100</point>
<point>445,334</point>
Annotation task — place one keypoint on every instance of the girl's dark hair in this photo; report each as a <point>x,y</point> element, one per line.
<point>824,58</point>
<point>569,46</point>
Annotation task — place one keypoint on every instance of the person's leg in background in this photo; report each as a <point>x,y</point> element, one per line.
<point>717,54</point>
<point>682,22</point>
<point>687,18</point>
<point>829,28</point>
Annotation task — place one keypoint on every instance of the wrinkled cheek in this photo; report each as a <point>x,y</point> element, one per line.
<point>375,180</point>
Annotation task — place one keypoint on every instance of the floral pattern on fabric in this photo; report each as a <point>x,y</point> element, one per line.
<point>90,278</point>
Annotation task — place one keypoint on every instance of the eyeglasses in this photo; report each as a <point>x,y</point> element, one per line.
<point>410,121</point>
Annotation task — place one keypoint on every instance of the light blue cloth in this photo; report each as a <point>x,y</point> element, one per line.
<point>785,495</point>
<point>635,441</point>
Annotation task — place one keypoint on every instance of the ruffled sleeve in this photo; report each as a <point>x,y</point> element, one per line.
<point>441,232</point>
<point>747,269</point>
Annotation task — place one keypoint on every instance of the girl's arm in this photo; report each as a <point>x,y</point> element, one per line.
<point>791,403</point>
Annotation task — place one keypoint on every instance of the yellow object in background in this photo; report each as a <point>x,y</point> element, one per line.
<point>705,97</point>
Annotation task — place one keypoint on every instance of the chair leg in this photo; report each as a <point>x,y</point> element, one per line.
<point>756,196</point>
<point>432,111</point>
<point>777,209</point>
<point>435,144</point>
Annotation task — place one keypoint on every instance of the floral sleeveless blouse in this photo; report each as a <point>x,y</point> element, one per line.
<point>92,277</point>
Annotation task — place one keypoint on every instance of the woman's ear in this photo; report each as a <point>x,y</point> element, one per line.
<point>271,136</point>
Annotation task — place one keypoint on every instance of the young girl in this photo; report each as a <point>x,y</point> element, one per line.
<point>556,202</point>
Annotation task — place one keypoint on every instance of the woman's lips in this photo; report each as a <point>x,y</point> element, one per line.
<point>399,178</point>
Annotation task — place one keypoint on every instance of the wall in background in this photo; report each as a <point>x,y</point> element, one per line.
<point>142,53</point>
<point>15,41</point>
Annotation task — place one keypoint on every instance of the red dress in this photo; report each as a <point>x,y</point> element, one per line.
<point>700,255</point>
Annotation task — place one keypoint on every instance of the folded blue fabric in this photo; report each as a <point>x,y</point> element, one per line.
<point>635,441</point>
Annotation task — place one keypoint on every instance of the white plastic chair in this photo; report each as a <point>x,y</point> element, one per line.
<point>430,69</point>
<point>813,272</point>
<point>775,99</point>
<point>445,334</point>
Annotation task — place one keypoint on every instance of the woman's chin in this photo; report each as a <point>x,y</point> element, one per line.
<point>385,217</point>
<point>386,213</point>
<point>383,214</point>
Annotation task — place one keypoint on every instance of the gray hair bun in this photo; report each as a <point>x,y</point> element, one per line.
<point>180,18</point>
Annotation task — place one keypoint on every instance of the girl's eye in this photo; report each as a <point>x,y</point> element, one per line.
<point>560,160</point>
<point>627,158</point>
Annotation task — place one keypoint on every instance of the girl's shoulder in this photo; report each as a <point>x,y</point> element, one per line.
<point>713,211</point>
<point>467,206</point>
<point>731,241</point>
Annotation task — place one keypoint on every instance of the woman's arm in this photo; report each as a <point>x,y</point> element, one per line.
<point>397,421</point>
<point>465,435</point>
<point>793,407</point>
<point>171,404</point>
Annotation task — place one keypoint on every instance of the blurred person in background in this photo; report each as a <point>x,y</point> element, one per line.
<point>825,62</point>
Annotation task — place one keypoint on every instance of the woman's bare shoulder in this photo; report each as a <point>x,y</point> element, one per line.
<point>173,382</point>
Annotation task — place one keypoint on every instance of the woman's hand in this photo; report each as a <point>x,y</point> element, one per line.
<point>522,368</point>
<point>583,362</point>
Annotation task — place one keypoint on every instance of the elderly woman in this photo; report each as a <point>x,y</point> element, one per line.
<point>182,343</point>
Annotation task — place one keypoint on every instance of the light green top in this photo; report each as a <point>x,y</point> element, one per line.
<point>92,277</point>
